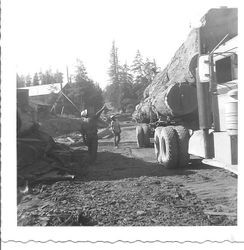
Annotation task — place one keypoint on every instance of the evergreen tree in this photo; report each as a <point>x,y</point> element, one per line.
<point>58,77</point>
<point>125,77</point>
<point>150,69</point>
<point>111,95</point>
<point>122,78</point>
<point>126,86</point>
<point>28,81</point>
<point>40,75</point>
<point>126,81</point>
<point>20,81</point>
<point>114,90</point>
<point>35,80</point>
<point>80,72</point>
<point>143,74</point>
<point>137,64</point>
<point>114,65</point>
<point>84,92</point>
<point>47,77</point>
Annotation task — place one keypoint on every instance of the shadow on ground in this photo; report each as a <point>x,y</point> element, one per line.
<point>114,166</point>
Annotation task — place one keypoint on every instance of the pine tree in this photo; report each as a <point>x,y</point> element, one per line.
<point>28,81</point>
<point>58,77</point>
<point>35,80</point>
<point>111,95</point>
<point>124,74</point>
<point>114,90</point>
<point>84,92</point>
<point>137,64</point>
<point>20,81</point>
<point>80,72</point>
<point>40,75</point>
<point>143,73</point>
<point>150,69</point>
<point>114,67</point>
<point>47,77</point>
<point>126,83</point>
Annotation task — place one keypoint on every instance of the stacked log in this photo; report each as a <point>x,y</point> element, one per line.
<point>173,92</point>
<point>144,113</point>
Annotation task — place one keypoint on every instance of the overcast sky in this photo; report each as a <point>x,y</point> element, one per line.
<point>53,33</point>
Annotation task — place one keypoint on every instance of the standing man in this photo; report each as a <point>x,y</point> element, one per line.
<point>116,130</point>
<point>89,130</point>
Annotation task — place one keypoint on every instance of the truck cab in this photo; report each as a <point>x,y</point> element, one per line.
<point>218,72</point>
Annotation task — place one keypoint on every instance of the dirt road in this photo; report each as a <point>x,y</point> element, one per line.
<point>127,187</point>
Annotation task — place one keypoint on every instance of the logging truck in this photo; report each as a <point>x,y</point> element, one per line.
<point>191,106</point>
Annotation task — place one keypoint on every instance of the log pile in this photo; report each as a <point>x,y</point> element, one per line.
<point>173,93</point>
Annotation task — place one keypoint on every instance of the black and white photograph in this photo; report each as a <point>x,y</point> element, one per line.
<point>121,118</point>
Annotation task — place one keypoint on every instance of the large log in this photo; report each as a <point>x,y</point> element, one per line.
<point>180,69</point>
<point>144,112</point>
<point>176,100</point>
<point>173,93</point>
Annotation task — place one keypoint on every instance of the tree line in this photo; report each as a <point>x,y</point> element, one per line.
<point>126,87</point>
<point>82,91</point>
<point>41,78</point>
<point>127,83</point>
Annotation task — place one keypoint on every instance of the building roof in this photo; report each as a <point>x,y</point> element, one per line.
<point>43,89</point>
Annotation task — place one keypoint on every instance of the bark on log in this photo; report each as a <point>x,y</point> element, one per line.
<point>144,112</point>
<point>173,92</point>
<point>216,24</point>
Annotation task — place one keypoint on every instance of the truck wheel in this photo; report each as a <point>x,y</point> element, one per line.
<point>146,131</point>
<point>140,136</point>
<point>183,142</point>
<point>157,136</point>
<point>169,147</point>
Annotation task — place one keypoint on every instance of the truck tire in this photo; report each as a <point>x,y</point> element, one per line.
<point>140,136</point>
<point>169,147</point>
<point>157,136</point>
<point>146,131</point>
<point>183,142</point>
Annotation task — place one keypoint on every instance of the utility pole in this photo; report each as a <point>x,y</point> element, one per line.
<point>67,70</point>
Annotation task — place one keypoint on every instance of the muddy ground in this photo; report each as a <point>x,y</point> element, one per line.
<point>126,187</point>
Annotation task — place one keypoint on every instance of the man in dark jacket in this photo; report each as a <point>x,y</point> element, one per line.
<point>89,130</point>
